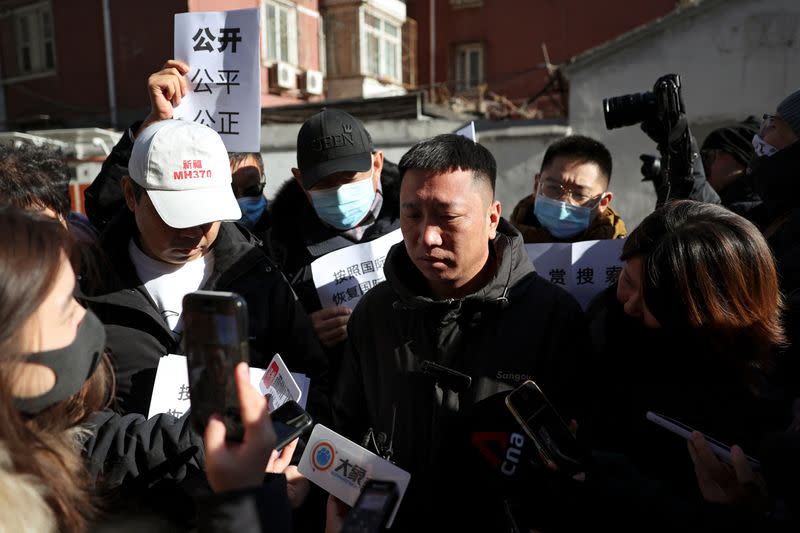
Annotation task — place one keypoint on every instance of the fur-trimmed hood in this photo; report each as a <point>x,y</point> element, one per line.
<point>23,504</point>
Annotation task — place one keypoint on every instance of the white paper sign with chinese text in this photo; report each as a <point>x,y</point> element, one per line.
<point>224,79</point>
<point>171,387</point>
<point>344,276</point>
<point>582,268</point>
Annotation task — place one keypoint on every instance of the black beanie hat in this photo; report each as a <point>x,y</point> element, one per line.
<point>736,140</point>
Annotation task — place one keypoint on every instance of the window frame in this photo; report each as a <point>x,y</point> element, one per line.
<point>37,41</point>
<point>463,74</point>
<point>292,37</point>
<point>383,39</point>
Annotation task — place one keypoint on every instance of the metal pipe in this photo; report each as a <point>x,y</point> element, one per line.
<point>432,81</point>
<point>112,92</point>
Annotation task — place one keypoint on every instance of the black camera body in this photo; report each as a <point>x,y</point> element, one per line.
<point>663,117</point>
<point>663,106</point>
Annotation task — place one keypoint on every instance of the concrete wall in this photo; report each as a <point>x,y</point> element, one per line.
<point>736,58</point>
<point>518,151</point>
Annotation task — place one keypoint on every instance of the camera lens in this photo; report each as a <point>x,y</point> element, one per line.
<point>628,109</point>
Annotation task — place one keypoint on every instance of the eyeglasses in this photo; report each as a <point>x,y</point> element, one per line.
<point>766,117</point>
<point>556,191</point>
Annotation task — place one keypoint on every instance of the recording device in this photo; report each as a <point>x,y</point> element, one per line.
<point>557,446</point>
<point>290,422</point>
<point>447,378</point>
<point>215,340</point>
<point>373,507</point>
<point>723,451</point>
<point>663,117</point>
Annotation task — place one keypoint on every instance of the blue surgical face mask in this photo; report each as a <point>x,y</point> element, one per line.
<point>561,219</point>
<point>252,208</point>
<point>345,206</point>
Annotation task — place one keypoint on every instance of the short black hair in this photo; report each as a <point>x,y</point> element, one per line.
<point>580,148</point>
<point>34,176</point>
<point>449,152</point>
<point>237,158</point>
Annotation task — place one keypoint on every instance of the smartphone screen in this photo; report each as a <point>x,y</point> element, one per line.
<point>542,423</point>
<point>290,421</point>
<point>215,341</point>
<point>373,507</point>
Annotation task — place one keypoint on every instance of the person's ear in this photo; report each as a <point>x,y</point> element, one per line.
<point>299,179</point>
<point>604,201</point>
<point>495,209</point>
<point>536,178</point>
<point>130,195</point>
<point>377,167</point>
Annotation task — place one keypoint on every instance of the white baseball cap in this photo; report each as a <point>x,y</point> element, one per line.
<point>184,168</point>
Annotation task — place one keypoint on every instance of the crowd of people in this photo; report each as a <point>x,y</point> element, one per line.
<point>701,326</point>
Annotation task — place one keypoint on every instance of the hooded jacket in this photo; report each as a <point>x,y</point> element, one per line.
<point>608,225</point>
<point>517,327</point>
<point>138,336</point>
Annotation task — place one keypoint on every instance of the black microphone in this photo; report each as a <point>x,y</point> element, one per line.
<point>446,377</point>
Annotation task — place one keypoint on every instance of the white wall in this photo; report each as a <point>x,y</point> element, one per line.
<point>737,58</point>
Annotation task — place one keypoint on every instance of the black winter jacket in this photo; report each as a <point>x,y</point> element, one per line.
<point>104,197</point>
<point>138,336</point>
<point>679,374</point>
<point>517,327</point>
<point>775,180</point>
<point>259,509</point>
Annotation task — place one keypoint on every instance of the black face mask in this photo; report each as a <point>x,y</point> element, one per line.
<point>73,365</point>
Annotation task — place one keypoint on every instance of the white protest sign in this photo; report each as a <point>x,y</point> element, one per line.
<point>171,387</point>
<point>582,268</point>
<point>344,276</point>
<point>224,79</point>
<point>468,131</point>
<point>279,384</point>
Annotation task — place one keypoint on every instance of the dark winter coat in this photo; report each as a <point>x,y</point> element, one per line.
<point>775,178</point>
<point>517,327</point>
<point>681,375</point>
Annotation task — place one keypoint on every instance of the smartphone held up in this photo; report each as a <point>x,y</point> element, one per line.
<point>557,446</point>
<point>214,340</point>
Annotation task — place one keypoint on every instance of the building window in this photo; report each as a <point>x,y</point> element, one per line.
<point>382,48</point>
<point>280,27</point>
<point>33,30</point>
<point>469,66</point>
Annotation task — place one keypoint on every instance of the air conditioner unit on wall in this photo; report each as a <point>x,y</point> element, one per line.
<point>282,76</point>
<point>311,82</point>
